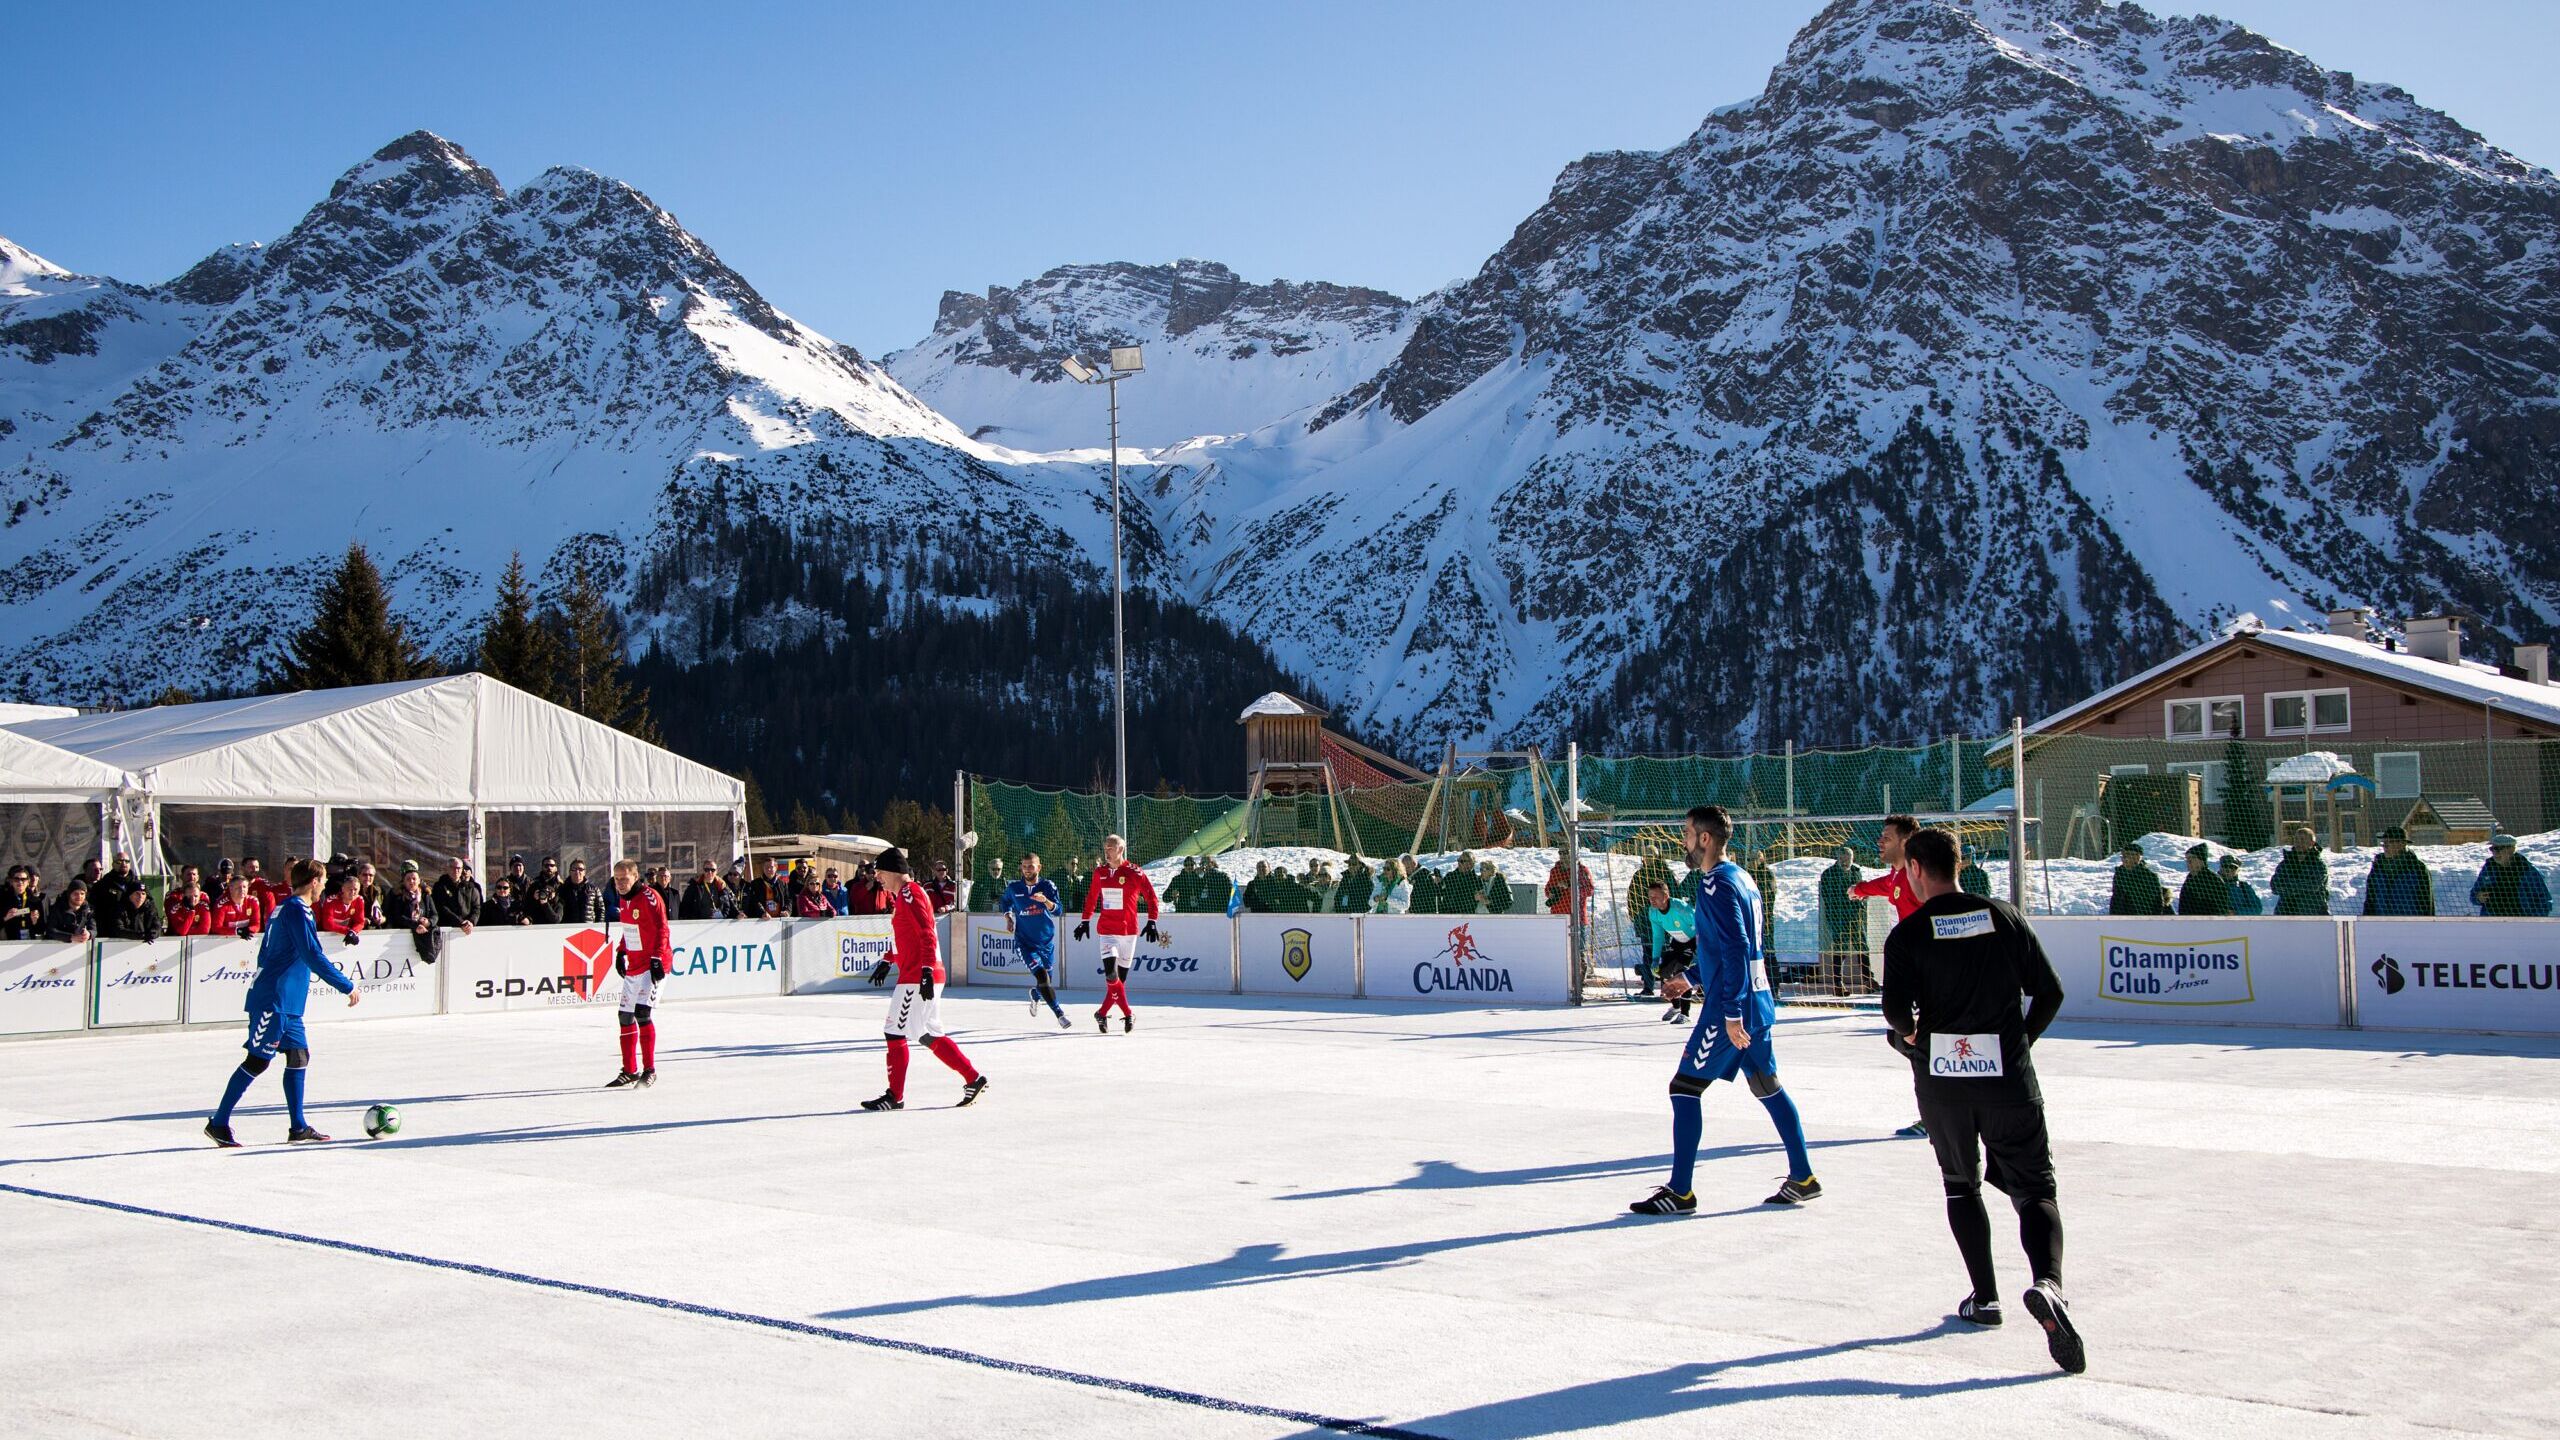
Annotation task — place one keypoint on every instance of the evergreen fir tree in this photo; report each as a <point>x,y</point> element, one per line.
<point>2247,824</point>
<point>589,634</point>
<point>1056,840</point>
<point>514,645</point>
<point>352,638</point>
<point>759,819</point>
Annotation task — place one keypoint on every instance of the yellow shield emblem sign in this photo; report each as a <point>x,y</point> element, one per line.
<point>1297,953</point>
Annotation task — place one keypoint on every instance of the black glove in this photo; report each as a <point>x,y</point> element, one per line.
<point>657,969</point>
<point>621,963</point>
<point>350,937</point>
<point>924,987</point>
<point>880,974</point>
<point>243,932</point>
<point>1152,937</point>
<point>1909,1049</point>
<point>1084,929</point>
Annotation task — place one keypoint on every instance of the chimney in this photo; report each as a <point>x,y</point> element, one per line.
<point>2535,662</point>
<point>2350,624</point>
<point>2436,637</point>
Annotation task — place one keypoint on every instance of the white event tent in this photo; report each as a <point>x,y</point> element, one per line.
<point>58,808</point>
<point>420,770</point>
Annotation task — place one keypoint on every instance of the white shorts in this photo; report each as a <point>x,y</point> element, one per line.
<point>1123,948</point>
<point>911,1016</point>
<point>637,990</point>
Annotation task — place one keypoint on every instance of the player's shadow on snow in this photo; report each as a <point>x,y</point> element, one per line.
<point>1450,1175</point>
<point>1698,1385</point>
<point>1248,1265</point>
<point>541,1134</point>
<point>278,1108</point>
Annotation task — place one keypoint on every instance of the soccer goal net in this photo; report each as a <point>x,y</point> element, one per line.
<point>1823,943</point>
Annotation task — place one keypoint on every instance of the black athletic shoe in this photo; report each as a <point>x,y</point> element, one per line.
<point>1796,1192</point>
<point>1916,1130</point>
<point>220,1134</point>
<point>649,1076</point>
<point>970,1092</point>
<point>622,1081</point>
<point>305,1135</point>
<point>2044,1302</point>
<point>1128,1023</point>
<point>1985,1313</point>
<point>1102,1021</point>
<point>1064,1023</point>
<point>1665,1201</point>
<point>884,1101</point>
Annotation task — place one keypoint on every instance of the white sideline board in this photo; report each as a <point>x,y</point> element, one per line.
<point>2465,974</point>
<point>836,955</point>
<point>140,982</point>
<point>528,967</point>
<point>218,976</point>
<point>392,981</point>
<point>716,959</point>
<point>1298,954</point>
<point>44,986</point>
<point>1471,959</point>
<point>2209,970</point>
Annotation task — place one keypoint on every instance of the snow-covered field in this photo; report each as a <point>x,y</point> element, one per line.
<point>1360,1212</point>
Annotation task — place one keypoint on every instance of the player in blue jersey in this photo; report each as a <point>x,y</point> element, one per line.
<point>1737,1014</point>
<point>287,959</point>
<point>1031,907</point>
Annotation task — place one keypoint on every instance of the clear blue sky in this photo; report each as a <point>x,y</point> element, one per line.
<point>854,160</point>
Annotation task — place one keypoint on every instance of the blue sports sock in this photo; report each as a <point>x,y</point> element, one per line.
<point>293,1079</point>
<point>1782,1109</point>
<point>231,1093</point>
<point>1688,1125</point>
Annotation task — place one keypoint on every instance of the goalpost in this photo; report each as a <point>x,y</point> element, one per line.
<point>1823,946</point>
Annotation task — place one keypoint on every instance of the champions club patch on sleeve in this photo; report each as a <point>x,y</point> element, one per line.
<point>1971,925</point>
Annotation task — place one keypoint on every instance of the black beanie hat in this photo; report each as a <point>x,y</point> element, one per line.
<point>893,860</point>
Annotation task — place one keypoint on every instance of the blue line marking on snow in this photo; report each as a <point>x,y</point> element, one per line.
<point>769,1322</point>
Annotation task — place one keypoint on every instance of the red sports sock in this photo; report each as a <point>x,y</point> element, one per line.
<point>649,1046</point>
<point>631,1049</point>
<point>1118,995</point>
<point>897,1067</point>
<point>947,1050</point>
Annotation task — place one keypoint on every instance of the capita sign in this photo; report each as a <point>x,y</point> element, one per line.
<point>2156,971</point>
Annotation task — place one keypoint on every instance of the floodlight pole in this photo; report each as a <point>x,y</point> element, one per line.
<point>1119,660</point>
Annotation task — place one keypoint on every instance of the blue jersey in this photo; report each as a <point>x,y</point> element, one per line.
<point>1730,967</point>
<point>1035,927</point>
<point>288,958</point>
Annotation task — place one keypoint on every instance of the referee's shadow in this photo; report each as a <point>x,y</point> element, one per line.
<point>1450,1175</point>
<point>1698,1385</point>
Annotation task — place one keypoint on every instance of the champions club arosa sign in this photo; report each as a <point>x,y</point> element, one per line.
<point>2175,972</point>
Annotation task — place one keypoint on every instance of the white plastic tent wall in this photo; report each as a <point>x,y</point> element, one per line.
<point>463,741</point>
<point>35,773</point>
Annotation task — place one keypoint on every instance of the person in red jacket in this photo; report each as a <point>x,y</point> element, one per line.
<point>265,892</point>
<point>189,909</point>
<point>1119,890</point>
<point>343,913</point>
<point>641,959</point>
<point>915,952</point>
<point>1894,887</point>
<point>239,913</point>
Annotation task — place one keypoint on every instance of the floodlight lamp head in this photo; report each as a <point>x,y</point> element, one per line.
<point>1076,369</point>
<point>1128,359</point>
<point>968,839</point>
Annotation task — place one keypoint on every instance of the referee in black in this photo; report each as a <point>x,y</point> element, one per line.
<point>1955,971</point>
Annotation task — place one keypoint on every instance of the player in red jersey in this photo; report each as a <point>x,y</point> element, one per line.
<point>1894,887</point>
<point>914,1012</point>
<point>641,959</point>
<point>1118,892</point>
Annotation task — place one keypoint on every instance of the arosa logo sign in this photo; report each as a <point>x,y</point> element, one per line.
<point>1297,953</point>
<point>1461,965</point>
<point>1180,964</point>
<point>2174,972</point>
<point>47,981</point>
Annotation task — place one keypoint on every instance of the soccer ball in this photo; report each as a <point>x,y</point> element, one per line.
<point>382,1120</point>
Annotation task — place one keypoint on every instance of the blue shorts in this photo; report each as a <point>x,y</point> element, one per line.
<point>1712,1055</point>
<point>1040,956</point>
<point>274,1030</point>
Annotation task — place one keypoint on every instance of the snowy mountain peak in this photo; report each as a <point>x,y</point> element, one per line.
<point>1224,355</point>
<point>419,170</point>
<point>20,266</point>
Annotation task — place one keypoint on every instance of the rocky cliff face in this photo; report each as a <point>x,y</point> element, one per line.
<point>2162,322</point>
<point>1223,356</point>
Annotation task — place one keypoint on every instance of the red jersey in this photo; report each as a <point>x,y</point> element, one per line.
<point>1117,893</point>
<point>342,917</point>
<point>913,943</point>
<point>644,930</point>
<point>266,897</point>
<point>1893,885</point>
<point>228,918</point>
<point>189,918</point>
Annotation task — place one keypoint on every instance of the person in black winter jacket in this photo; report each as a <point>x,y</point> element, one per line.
<point>706,897</point>
<point>581,903</point>
<point>503,908</point>
<point>132,917</point>
<point>542,897</point>
<point>70,920</point>
<point>21,906</point>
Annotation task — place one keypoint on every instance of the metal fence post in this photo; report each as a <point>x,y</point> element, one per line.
<point>2018,813</point>
<point>1791,799</point>
<point>1574,948</point>
<point>2350,1000</point>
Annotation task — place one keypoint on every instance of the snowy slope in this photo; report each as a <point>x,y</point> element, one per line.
<point>2084,327</point>
<point>449,372</point>
<point>1222,356</point>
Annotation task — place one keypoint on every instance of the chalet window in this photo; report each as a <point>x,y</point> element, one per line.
<point>2306,712</point>
<point>2211,770</point>
<point>2396,774</point>
<point>2128,769</point>
<point>2217,718</point>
